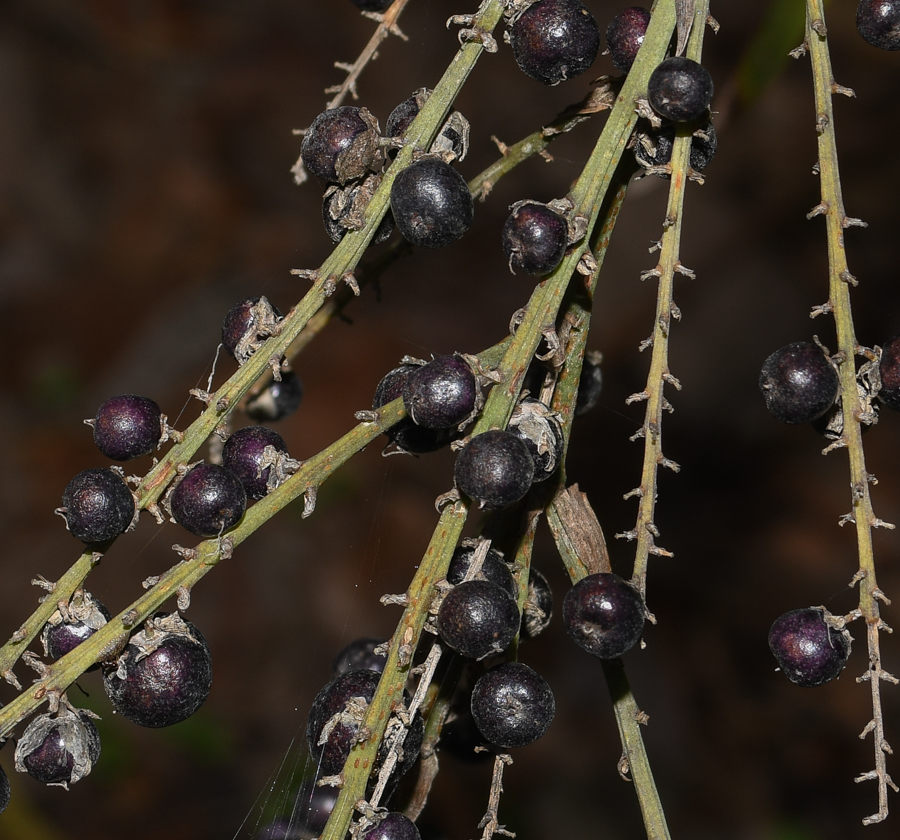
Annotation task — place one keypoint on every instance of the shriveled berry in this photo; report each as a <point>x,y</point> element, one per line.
<point>534,238</point>
<point>554,40</point>
<point>344,208</point>
<point>247,325</point>
<point>341,144</point>
<point>431,203</point>
<point>654,148</point>
<point>453,136</point>
<point>209,500</point>
<point>809,651</point>
<point>878,21</point>
<point>441,394</point>
<point>278,400</point>
<point>127,427</point>
<point>59,749</point>
<point>538,606</point>
<point>244,454</point>
<point>625,34</point>
<point>495,469</point>
<point>798,383</point>
<point>604,615</point>
<point>541,432</point>
<point>97,505</point>
<point>478,618</point>
<point>512,705</point>
<point>394,826</point>
<point>680,89</point>
<point>372,5</point>
<point>493,568</point>
<point>406,435</point>
<point>359,655</point>
<point>590,385</point>
<point>85,615</point>
<point>164,674</point>
<point>889,368</point>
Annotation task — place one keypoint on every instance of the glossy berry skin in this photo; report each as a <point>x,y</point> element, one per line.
<point>244,452</point>
<point>603,615</point>
<point>808,651</point>
<point>59,750</point>
<point>798,383</point>
<point>878,21</point>
<point>534,238</point>
<point>359,655</point>
<point>341,144</point>
<point>313,805</point>
<point>680,89</point>
<point>60,636</point>
<point>243,321</point>
<point>702,152</point>
<point>161,678</point>
<point>554,40</point>
<point>394,826</point>
<point>278,400</point>
<point>493,569</point>
<point>512,705</point>
<point>495,469</point>
<point>97,505</point>
<point>625,34</point>
<point>127,427</point>
<point>406,435</point>
<point>478,618</point>
<point>441,394</point>
<point>538,606</point>
<point>889,368</point>
<point>209,500</point>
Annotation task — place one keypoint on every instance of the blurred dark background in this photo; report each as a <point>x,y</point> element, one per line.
<point>145,150</point>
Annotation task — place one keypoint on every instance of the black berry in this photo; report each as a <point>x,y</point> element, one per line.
<point>680,89</point>
<point>85,615</point>
<point>164,674</point>
<point>538,606</point>
<point>431,203</point>
<point>441,394</point>
<point>604,615</point>
<point>278,400</point>
<point>590,385</point>
<point>372,5</point>
<point>534,238</point>
<point>512,705</point>
<point>625,34</point>
<point>453,136</point>
<point>406,435</point>
<point>495,469</point>
<point>313,805</point>
<point>809,651</point>
<point>4,790</point>
<point>393,826</point>
<point>493,568</point>
<point>541,432</point>
<point>654,148</point>
<point>97,505</point>
<point>799,383</point>
<point>244,455</point>
<point>209,499</point>
<point>359,655</point>
<point>59,749</point>
<point>341,144</point>
<point>554,40</point>
<point>889,369</point>
<point>247,325</point>
<point>478,618</point>
<point>878,21</point>
<point>127,427</point>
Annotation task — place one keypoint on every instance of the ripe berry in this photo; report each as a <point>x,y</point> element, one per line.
<point>313,805</point>
<point>680,89</point>
<point>494,469</point>
<point>127,427</point>
<point>540,430</point>
<point>809,651</point>
<point>655,148</point>
<point>209,499</point>
<point>394,826</point>
<point>97,505</point>
<point>604,615</point>
<point>478,618</point>
<point>798,383</point>
<point>512,705</point>
<point>554,40</point>
<point>247,325</point>
<point>590,385</point>
<point>431,203</point>
<point>278,400</point>
<point>244,454</point>
<point>889,368</point>
<point>406,435</point>
<point>534,238</point>
<point>625,34</point>
<point>493,568</point>
<point>453,136</point>
<point>58,749</point>
<point>538,606</point>
<point>359,655</point>
<point>878,21</point>
<point>84,616</point>
<point>441,394</point>
<point>164,674</point>
<point>341,144</point>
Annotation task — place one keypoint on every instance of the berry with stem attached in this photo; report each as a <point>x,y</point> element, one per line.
<point>59,749</point>
<point>878,21</point>
<point>247,325</point>
<point>809,650</point>
<point>127,427</point>
<point>84,616</point>
<point>512,705</point>
<point>604,615</point>
<point>495,469</point>
<point>654,148</point>
<point>406,435</point>
<point>493,568</point>
<point>478,618</point>
<point>538,609</point>
<point>798,383</point>
<point>209,500</point>
<point>534,238</point>
<point>97,505</point>
<point>359,655</point>
<point>244,454</point>
<point>680,89</point>
<point>541,432</point>
<point>393,826</point>
<point>441,394</point>
<point>625,34</point>
<point>341,144</point>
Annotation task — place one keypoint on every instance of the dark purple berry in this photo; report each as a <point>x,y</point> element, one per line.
<point>493,568</point>
<point>4,790</point>
<point>809,651</point>
<point>799,383</point>
<point>494,469</point>
<point>655,148</point>
<point>512,705</point>
<point>209,500</point>
<point>127,427</point>
<point>680,89</point>
<point>344,208</point>
<point>97,505</point>
<point>453,136</point>
<point>431,203</point>
<point>372,5</point>
<point>541,432</point>
<point>244,454</point>
<point>341,144</point>
<point>478,618</point>
<point>85,615</point>
<point>534,238</point>
<point>604,615</point>
<point>164,674</point>
<point>406,435</point>
<point>313,806</point>
<point>590,384</point>
<point>393,826</point>
<point>442,394</point>
<point>278,400</point>
<point>878,21</point>
<point>889,369</point>
<point>359,655</point>
<point>247,325</point>
<point>281,828</point>
<point>625,34</point>
<point>554,40</point>
<point>538,606</point>
<point>58,749</point>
